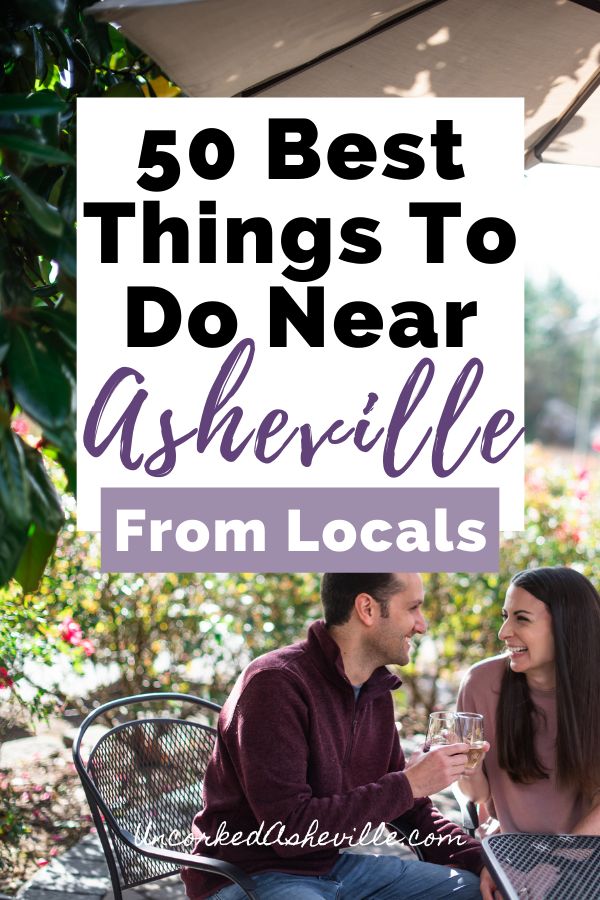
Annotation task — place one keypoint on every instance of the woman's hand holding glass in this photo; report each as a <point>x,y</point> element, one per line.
<point>473,782</point>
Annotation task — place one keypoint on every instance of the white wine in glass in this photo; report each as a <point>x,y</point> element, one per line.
<point>469,727</point>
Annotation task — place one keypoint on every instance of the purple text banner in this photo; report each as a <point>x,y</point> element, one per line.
<point>301,530</point>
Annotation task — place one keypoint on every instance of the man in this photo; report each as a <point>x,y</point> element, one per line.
<point>308,759</point>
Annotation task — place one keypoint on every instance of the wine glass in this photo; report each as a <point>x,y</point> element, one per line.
<point>442,729</point>
<point>469,727</point>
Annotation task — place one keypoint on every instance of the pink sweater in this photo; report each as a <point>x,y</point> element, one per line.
<point>542,806</point>
<point>295,747</point>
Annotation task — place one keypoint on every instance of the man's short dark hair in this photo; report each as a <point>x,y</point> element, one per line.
<point>338,592</point>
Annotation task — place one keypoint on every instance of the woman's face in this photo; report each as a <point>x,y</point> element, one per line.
<point>527,634</point>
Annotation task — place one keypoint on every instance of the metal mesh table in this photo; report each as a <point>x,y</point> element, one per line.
<point>545,866</point>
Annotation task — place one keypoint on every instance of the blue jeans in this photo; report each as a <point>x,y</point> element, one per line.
<point>364,877</point>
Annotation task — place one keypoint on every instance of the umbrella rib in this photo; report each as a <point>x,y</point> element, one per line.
<point>565,117</point>
<point>377,29</point>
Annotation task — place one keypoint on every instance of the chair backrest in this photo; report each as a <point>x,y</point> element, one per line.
<point>146,777</point>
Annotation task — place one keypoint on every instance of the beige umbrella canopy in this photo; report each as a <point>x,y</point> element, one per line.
<point>547,51</point>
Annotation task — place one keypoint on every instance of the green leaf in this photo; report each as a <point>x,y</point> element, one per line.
<point>34,557</point>
<point>47,217</point>
<point>39,57</point>
<point>67,198</point>
<point>69,465</point>
<point>63,437</point>
<point>4,338</point>
<point>49,12</point>
<point>46,290</point>
<point>40,103</point>
<point>50,155</point>
<point>37,379</point>
<point>97,42</point>
<point>125,89</point>
<point>117,41</point>
<point>45,267</point>
<point>62,322</point>
<point>66,253</point>
<point>46,508</point>
<point>47,515</point>
<point>12,543</point>
<point>14,490</point>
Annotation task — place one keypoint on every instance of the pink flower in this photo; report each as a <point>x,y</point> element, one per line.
<point>5,679</point>
<point>70,631</point>
<point>20,426</point>
<point>41,862</point>
<point>596,443</point>
<point>88,647</point>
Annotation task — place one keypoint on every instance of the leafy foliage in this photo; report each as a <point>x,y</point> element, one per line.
<point>52,53</point>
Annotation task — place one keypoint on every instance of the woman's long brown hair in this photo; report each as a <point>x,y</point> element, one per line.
<point>574,605</point>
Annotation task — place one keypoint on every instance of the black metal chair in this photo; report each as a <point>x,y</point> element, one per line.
<point>143,780</point>
<point>468,811</point>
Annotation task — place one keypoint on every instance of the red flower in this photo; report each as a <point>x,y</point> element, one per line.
<point>70,631</point>
<point>5,679</point>
<point>88,647</point>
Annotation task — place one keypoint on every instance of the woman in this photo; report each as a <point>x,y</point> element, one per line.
<point>541,703</point>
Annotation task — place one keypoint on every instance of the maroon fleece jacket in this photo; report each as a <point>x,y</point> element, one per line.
<point>295,748</point>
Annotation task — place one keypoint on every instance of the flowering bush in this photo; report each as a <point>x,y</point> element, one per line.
<point>27,634</point>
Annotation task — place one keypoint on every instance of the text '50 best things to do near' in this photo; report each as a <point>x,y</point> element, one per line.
<point>300,333</point>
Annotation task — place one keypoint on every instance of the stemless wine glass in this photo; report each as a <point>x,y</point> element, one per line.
<point>469,728</point>
<point>442,729</point>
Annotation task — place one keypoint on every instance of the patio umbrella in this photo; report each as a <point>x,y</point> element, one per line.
<point>547,51</point>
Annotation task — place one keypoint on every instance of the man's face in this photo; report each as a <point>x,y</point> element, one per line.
<point>390,636</point>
